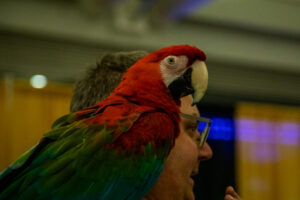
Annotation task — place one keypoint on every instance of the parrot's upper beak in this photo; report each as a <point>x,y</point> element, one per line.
<point>193,81</point>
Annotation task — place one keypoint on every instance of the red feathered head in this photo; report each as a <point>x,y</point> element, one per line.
<point>174,71</point>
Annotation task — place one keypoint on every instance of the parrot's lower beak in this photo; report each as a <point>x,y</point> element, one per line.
<point>194,81</point>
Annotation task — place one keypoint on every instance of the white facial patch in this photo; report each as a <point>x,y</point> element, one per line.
<point>170,72</point>
<point>199,80</point>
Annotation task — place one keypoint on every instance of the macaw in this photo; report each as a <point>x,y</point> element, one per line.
<point>117,148</point>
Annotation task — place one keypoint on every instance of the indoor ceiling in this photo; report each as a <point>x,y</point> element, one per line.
<point>253,46</point>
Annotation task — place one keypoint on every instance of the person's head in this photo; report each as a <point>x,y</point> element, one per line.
<point>100,80</point>
<point>175,182</point>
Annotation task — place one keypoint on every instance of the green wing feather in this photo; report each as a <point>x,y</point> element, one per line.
<point>75,162</point>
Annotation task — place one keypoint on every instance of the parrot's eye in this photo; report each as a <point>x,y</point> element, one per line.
<point>171,60</point>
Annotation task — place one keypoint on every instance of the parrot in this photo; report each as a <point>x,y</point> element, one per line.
<point>117,148</point>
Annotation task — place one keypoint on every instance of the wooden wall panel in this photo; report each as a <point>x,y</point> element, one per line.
<point>268,151</point>
<point>29,113</point>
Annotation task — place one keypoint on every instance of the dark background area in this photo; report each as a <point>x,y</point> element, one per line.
<point>219,172</point>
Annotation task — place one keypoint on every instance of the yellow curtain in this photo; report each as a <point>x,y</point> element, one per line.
<point>268,151</point>
<point>26,114</point>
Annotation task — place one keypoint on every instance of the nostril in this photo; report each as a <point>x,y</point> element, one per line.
<point>205,153</point>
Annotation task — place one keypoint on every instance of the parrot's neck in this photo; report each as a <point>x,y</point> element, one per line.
<point>151,100</point>
<point>147,88</point>
<point>157,97</point>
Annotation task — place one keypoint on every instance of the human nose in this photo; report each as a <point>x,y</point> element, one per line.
<point>205,153</point>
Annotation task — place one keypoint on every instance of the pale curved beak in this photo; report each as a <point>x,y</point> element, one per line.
<point>199,80</point>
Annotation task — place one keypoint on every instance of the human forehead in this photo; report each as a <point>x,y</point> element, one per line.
<point>186,107</point>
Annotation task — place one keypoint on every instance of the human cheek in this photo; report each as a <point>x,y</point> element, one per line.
<point>189,153</point>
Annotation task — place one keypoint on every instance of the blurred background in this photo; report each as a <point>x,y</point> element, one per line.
<point>253,58</point>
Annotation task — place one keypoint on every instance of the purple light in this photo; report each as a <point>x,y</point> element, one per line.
<point>267,132</point>
<point>289,133</point>
<point>265,136</point>
<point>186,7</point>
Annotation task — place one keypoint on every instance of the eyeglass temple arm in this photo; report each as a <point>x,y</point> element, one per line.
<point>204,135</point>
<point>207,120</point>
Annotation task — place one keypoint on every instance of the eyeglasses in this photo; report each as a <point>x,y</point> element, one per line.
<point>205,132</point>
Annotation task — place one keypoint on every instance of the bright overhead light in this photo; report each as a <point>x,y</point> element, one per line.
<point>38,81</point>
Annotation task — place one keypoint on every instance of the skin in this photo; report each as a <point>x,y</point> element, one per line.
<point>230,194</point>
<point>183,162</point>
<point>175,182</point>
